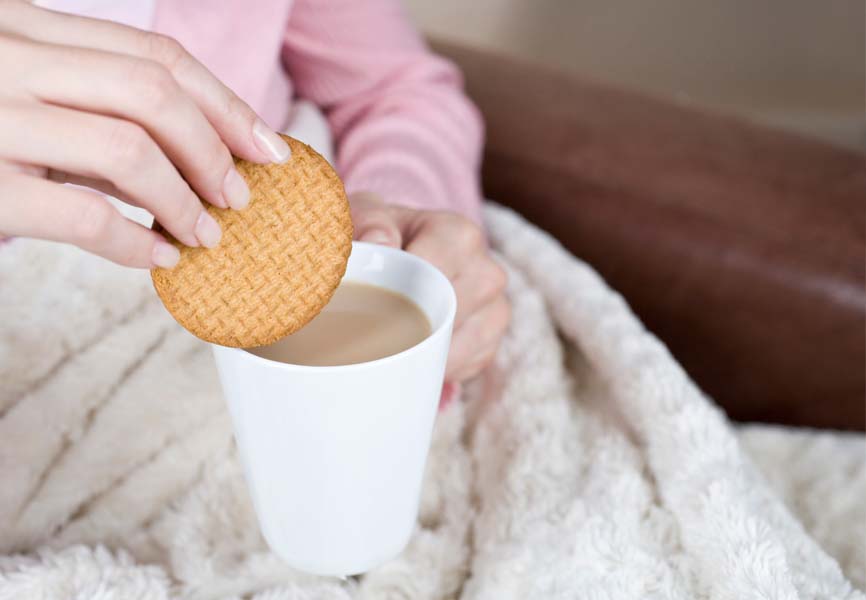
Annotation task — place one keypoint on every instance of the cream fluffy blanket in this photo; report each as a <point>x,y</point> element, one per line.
<point>585,465</point>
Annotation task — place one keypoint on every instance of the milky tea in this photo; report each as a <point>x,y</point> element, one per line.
<point>361,323</point>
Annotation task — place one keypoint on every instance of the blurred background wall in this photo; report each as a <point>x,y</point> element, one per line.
<point>797,64</point>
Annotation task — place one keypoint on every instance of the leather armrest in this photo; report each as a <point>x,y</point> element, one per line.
<point>741,247</point>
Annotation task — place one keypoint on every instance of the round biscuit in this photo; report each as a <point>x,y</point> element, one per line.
<point>278,262</point>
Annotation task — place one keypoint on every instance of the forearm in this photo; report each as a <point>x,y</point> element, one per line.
<point>403,127</point>
<point>423,159</point>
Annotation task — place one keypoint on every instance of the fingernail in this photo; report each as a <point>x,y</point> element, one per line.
<point>377,236</point>
<point>164,255</point>
<point>207,230</point>
<point>235,190</point>
<point>270,143</point>
<point>449,390</point>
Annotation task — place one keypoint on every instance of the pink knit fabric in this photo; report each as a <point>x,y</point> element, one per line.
<point>403,127</point>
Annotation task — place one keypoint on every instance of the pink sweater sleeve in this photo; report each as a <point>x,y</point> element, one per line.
<point>403,126</point>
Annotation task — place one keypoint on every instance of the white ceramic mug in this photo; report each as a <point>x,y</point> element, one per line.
<point>334,456</point>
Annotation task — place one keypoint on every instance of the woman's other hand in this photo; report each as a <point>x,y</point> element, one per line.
<point>456,246</point>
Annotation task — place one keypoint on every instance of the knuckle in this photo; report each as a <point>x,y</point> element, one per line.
<point>498,279</point>
<point>155,86</point>
<point>181,213</point>
<point>163,49</point>
<point>502,315</point>
<point>218,160</point>
<point>476,365</point>
<point>93,221</point>
<point>127,145</point>
<point>232,105</point>
<point>491,281</point>
<point>131,256</point>
<point>236,109</point>
<point>485,360</point>
<point>467,233</point>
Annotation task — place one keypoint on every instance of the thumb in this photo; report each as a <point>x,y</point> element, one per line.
<point>376,223</point>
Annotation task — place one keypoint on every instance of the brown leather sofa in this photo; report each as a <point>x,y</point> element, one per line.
<point>741,247</point>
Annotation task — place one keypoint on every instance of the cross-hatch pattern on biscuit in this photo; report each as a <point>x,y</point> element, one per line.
<point>279,260</point>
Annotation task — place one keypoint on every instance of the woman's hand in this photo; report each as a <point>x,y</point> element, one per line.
<point>457,247</point>
<point>123,111</point>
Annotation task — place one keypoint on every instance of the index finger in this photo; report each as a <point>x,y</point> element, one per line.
<point>242,130</point>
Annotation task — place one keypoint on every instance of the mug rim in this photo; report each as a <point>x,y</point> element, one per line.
<point>447,322</point>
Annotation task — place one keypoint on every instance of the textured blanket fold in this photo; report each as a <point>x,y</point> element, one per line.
<point>585,464</point>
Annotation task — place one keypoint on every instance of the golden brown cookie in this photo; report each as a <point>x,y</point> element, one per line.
<point>278,262</point>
